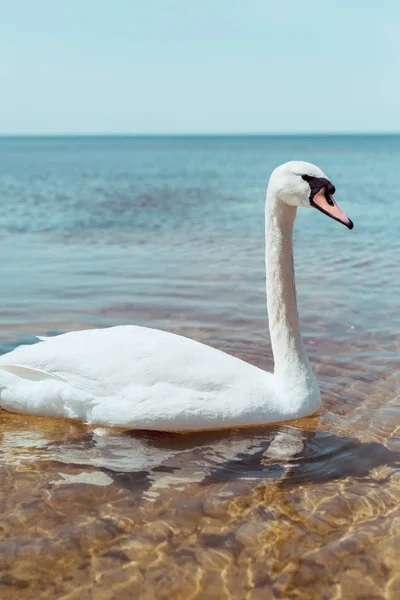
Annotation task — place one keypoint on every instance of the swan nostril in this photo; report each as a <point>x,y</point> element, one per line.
<point>329,200</point>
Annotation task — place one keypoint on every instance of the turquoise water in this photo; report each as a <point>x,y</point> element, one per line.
<point>95,227</point>
<point>169,232</point>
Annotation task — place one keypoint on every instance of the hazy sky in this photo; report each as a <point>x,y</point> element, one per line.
<point>199,66</point>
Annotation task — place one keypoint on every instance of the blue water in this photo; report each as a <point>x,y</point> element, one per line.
<point>95,227</point>
<point>169,232</point>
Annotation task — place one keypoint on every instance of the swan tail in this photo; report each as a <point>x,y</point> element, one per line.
<point>25,389</point>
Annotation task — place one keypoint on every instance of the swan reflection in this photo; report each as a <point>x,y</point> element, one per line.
<point>153,461</point>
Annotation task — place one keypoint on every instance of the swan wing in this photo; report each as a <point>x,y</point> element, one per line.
<point>131,377</point>
<point>30,373</point>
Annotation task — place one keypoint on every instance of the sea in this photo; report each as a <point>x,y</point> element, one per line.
<point>168,232</point>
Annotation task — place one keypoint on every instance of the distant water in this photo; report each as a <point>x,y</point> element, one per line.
<point>168,232</point>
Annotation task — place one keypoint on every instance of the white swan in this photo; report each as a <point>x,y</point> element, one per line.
<point>142,378</point>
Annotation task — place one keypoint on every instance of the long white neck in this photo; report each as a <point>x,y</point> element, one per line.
<point>287,346</point>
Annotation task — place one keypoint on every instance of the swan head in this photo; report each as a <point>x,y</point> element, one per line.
<point>299,183</point>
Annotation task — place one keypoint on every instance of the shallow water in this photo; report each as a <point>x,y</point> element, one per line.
<point>169,233</point>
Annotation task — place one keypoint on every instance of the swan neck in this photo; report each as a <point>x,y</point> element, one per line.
<point>287,345</point>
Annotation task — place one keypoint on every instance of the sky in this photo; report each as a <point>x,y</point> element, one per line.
<point>199,66</point>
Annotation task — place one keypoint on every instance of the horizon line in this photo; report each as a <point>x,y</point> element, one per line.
<point>201,135</point>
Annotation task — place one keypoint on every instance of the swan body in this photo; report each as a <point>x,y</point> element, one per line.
<point>142,378</point>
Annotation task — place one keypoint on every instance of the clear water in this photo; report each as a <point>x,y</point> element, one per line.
<point>168,232</point>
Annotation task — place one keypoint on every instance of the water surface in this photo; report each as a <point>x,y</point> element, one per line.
<point>168,232</point>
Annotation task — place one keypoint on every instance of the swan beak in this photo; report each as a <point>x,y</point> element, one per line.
<point>326,204</point>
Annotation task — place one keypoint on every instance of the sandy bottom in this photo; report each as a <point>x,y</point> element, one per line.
<point>309,509</point>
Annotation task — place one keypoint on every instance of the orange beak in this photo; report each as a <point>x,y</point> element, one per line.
<point>326,204</point>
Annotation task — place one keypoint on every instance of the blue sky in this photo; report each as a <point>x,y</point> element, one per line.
<point>207,66</point>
